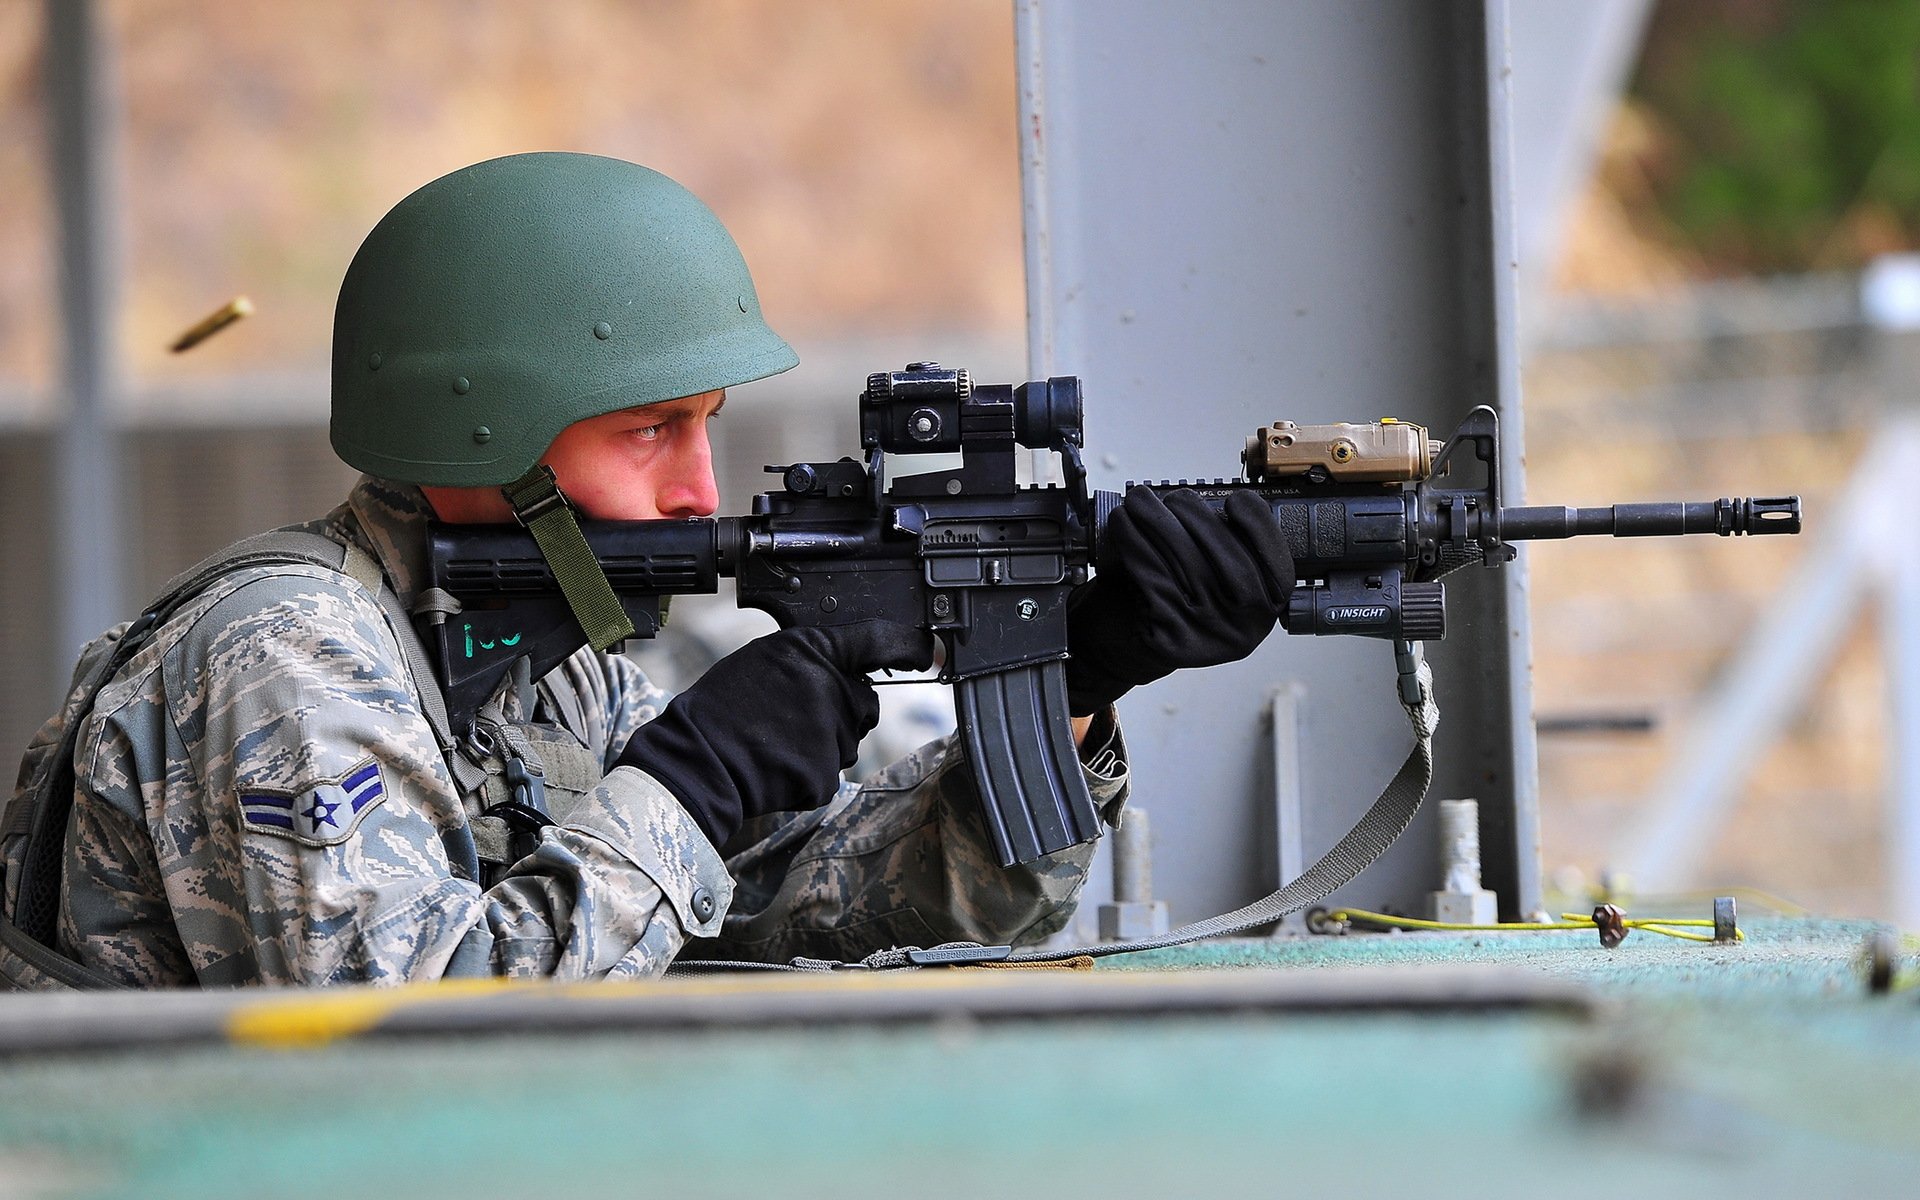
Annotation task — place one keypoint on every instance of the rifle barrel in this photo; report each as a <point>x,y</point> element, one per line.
<point>1728,517</point>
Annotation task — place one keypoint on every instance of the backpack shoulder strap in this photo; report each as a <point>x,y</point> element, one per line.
<point>41,809</point>
<point>277,546</point>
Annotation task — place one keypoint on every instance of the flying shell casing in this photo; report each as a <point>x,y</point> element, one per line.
<point>1385,451</point>
<point>233,310</point>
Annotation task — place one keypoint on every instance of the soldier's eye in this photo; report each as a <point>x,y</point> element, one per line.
<point>649,433</point>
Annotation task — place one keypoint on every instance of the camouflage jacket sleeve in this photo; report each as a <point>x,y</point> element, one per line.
<point>904,860</point>
<point>262,801</point>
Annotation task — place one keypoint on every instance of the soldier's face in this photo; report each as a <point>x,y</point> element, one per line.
<point>640,463</point>
<point>637,464</point>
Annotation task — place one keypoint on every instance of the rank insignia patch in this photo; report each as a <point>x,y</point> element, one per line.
<point>325,815</point>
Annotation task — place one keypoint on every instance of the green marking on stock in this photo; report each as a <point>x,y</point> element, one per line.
<point>486,645</point>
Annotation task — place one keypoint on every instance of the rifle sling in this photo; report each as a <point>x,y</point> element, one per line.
<point>542,507</point>
<point>1382,825</point>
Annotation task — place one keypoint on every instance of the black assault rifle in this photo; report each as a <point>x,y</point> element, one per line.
<point>1374,515</point>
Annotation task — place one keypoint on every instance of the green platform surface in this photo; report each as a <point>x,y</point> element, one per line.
<point>1762,1069</point>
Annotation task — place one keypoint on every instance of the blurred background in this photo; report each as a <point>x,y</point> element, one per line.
<point>1725,306</point>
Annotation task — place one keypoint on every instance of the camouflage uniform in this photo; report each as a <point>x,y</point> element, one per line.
<point>261,800</point>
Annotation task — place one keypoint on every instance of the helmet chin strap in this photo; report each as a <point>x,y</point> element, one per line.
<point>540,505</point>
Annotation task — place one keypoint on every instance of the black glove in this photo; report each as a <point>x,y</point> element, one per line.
<point>1178,585</point>
<point>771,726</point>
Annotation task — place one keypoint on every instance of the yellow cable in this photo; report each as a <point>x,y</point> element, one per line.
<point>1655,927</point>
<point>1361,914</point>
<point>1701,922</point>
<point>1660,925</point>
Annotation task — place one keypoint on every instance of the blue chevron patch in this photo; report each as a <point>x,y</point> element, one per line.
<point>325,815</point>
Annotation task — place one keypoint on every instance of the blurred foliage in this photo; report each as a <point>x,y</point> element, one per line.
<point>1787,131</point>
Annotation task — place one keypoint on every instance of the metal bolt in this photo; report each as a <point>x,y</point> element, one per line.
<point>1726,922</point>
<point>1460,845</point>
<point>1612,924</point>
<point>942,606</point>
<point>1029,609</point>
<point>924,425</point>
<point>482,435</point>
<point>1461,899</point>
<point>461,386</point>
<point>953,487</point>
<point>1133,858</point>
<point>603,331</point>
<point>1133,913</point>
<point>374,360</point>
<point>1883,957</point>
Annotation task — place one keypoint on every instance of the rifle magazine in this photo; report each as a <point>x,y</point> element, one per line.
<point>1019,739</point>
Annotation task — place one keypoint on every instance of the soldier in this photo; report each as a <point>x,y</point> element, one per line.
<point>261,791</point>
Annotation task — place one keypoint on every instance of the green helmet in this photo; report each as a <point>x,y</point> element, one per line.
<point>497,305</point>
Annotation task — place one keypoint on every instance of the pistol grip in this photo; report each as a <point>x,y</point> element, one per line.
<point>1019,738</point>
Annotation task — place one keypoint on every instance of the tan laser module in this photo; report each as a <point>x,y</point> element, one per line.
<point>1380,451</point>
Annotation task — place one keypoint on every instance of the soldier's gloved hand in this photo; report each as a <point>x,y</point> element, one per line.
<point>771,726</point>
<point>1178,585</point>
